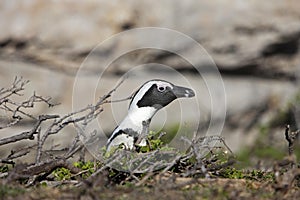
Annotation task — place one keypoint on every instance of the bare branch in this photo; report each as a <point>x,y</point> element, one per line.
<point>134,164</point>
<point>28,134</point>
<point>291,137</point>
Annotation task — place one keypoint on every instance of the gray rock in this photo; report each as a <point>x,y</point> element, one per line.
<point>255,46</point>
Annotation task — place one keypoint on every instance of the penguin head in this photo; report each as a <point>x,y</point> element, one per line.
<point>158,94</point>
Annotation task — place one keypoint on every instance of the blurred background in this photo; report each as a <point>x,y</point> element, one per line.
<point>255,45</point>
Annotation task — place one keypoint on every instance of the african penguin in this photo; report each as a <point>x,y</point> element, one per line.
<point>147,100</point>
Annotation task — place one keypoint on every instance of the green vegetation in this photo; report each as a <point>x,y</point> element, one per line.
<point>86,168</point>
<point>154,142</point>
<point>258,175</point>
<point>263,149</point>
<point>4,168</point>
<point>8,190</point>
<point>61,174</point>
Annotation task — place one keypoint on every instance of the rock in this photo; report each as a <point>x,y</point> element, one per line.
<point>255,46</point>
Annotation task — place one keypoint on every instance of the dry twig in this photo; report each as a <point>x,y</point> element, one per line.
<point>127,165</point>
<point>19,111</point>
<point>290,137</point>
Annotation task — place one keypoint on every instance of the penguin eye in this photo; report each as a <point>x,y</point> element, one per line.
<point>122,146</point>
<point>161,88</point>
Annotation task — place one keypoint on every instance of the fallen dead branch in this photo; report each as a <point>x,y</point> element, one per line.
<point>44,125</point>
<point>125,164</point>
<point>291,136</point>
<point>165,168</point>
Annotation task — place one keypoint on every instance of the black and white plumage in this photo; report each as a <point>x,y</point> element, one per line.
<point>148,99</point>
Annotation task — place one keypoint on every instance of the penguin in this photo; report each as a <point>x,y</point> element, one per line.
<point>146,101</point>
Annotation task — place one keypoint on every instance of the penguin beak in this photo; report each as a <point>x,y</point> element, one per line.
<point>183,92</point>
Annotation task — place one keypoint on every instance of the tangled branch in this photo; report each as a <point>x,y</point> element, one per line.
<point>200,160</point>
<point>44,125</point>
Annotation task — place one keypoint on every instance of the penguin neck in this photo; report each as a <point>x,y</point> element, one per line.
<point>137,118</point>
